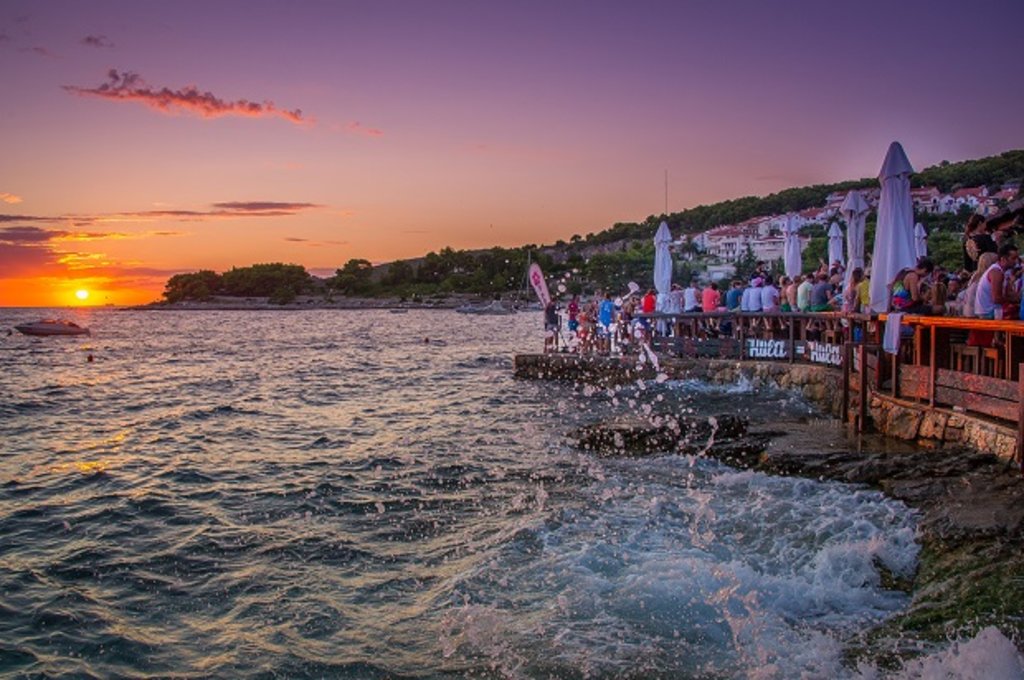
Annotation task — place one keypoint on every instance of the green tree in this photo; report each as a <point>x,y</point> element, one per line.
<point>199,285</point>
<point>354,278</point>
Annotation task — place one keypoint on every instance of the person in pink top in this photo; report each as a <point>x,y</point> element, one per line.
<point>710,298</point>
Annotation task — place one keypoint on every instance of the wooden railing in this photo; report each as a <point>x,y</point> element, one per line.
<point>971,365</point>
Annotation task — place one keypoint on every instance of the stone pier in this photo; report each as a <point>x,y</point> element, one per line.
<point>821,385</point>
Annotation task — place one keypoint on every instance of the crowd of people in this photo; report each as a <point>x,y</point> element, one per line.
<point>988,286</point>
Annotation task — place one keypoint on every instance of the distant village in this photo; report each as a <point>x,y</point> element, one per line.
<point>764,235</point>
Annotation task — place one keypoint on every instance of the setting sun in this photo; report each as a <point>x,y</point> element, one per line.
<point>82,294</point>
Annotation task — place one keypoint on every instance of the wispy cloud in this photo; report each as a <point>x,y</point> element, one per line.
<point>309,243</point>
<point>9,198</point>
<point>130,87</point>
<point>16,235</point>
<point>225,210</point>
<point>28,234</point>
<point>40,51</point>
<point>97,41</point>
<point>262,207</point>
<point>357,128</point>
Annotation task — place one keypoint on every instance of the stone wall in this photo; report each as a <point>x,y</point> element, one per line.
<point>820,385</point>
<point>936,427</point>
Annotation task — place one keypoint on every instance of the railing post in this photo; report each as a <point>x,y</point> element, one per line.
<point>895,372</point>
<point>1020,418</point>
<point>862,407</point>
<point>792,340</point>
<point>847,360</point>
<point>933,366</point>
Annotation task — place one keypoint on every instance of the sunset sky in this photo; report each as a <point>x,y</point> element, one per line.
<point>143,139</point>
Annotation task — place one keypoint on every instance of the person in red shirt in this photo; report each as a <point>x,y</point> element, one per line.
<point>648,305</point>
<point>710,298</point>
<point>649,302</point>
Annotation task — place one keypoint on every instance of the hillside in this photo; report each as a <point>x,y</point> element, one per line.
<point>606,259</point>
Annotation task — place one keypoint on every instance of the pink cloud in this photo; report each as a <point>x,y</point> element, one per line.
<point>220,211</point>
<point>357,128</point>
<point>130,87</point>
<point>9,198</point>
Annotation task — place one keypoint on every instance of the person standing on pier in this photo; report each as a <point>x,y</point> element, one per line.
<point>550,327</point>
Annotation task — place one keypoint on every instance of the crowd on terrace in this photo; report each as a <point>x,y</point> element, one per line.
<point>988,285</point>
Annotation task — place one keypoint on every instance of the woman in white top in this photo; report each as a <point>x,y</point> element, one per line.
<point>985,260</point>
<point>991,294</point>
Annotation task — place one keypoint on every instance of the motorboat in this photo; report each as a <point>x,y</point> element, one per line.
<point>52,327</point>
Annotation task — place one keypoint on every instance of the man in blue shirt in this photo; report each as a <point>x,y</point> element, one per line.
<point>605,316</point>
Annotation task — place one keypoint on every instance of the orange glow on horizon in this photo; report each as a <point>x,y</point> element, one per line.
<point>53,292</point>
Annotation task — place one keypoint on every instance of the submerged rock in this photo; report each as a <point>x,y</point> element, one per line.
<point>724,437</point>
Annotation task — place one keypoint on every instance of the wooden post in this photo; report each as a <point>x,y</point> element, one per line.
<point>847,360</point>
<point>792,340</point>
<point>933,366</point>
<point>895,372</point>
<point>1020,418</point>
<point>863,405</point>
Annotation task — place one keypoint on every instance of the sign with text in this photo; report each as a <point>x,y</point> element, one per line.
<point>767,349</point>
<point>824,353</point>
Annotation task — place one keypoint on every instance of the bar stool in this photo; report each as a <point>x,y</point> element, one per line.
<point>964,358</point>
<point>991,362</point>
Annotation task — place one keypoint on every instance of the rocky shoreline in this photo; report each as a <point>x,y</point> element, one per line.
<point>224,303</point>
<point>971,507</point>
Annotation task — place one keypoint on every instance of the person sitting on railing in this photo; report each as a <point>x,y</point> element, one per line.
<point>853,299</point>
<point>691,297</point>
<point>787,294</point>
<point>906,293</point>
<point>675,299</point>
<point>769,297</point>
<point>803,293</point>
<point>751,300</point>
<point>734,296</point>
<point>823,298</point>
<point>710,298</point>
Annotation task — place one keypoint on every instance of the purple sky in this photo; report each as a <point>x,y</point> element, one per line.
<point>425,124</point>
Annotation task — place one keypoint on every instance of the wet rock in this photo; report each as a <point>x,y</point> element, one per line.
<point>724,436</point>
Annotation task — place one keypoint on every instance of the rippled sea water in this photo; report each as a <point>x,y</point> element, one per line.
<point>371,495</point>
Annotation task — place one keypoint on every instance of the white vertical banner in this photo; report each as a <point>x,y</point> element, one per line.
<point>536,277</point>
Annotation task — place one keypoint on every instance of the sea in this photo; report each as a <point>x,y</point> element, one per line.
<point>364,494</point>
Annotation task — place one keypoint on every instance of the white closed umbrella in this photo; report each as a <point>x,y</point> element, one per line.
<point>662,265</point>
<point>894,238</point>
<point>920,240</point>
<point>855,212</point>
<point>835,245</point>
<point>791,257</point>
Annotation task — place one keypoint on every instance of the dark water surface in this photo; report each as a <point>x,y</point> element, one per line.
<point>322,493</point>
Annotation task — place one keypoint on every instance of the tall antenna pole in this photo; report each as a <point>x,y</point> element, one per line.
<point>666,192</point>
